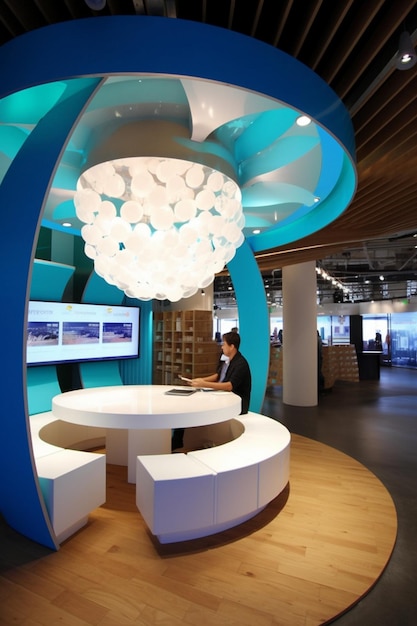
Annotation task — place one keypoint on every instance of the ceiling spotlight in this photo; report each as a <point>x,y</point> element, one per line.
<point>381,277</point>
<point>203,293</point>
<point>96,5</point>
<point>303,120</point>
<point>406,56</point>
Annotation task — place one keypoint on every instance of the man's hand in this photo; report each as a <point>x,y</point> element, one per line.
<point>198,382</point>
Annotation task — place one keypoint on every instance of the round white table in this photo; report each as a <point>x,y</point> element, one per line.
<point>139,418</point>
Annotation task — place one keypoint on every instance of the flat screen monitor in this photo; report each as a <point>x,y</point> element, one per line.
<point>59,332</point>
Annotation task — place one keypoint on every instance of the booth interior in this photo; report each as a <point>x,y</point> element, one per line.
<point>71,443</point>
<point>70,457</point>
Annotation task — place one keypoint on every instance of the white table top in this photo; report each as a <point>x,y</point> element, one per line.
<point>144,407</point>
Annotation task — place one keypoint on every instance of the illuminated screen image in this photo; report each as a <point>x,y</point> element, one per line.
<point>117,332</point>
<point>43,333</point>
<point>79,333</point>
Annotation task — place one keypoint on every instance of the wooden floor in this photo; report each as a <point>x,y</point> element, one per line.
<point>311,554</point>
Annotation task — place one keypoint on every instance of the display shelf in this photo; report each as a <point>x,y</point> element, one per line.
<point>339,363</point>
<point>183,344</point>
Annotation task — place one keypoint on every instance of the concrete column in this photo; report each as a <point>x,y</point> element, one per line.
<point>299,335</point>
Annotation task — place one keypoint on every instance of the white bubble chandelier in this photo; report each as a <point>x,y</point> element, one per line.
<point>157,227</point>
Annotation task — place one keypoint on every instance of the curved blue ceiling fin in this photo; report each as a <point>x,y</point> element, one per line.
<point>263,131</point>
<point>265,194</point>
<point>280,153</point>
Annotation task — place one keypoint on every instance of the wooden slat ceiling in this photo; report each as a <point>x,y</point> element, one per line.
<point>351,44</point>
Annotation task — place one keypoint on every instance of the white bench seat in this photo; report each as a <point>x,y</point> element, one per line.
<point>247,472</point>
<point>175,499</point>
<point>73,482</point>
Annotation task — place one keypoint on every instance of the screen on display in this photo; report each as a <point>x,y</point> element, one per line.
<point>59,332</point>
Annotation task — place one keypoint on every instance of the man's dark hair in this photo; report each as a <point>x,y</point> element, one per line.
<point>232,339</point>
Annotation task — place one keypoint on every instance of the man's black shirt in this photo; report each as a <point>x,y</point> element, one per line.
<point>238,373</point>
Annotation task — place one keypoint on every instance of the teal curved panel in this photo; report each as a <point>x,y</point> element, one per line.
<point>11,139</point>
<point>49,280</point>
<point>279,154</point>
<point>29,106</point>
<point>139,371</point>
<point>253,320</point>
<point>100,374</point>
<point>42,386</point>
<point>263,130</point>
<point>327,211</point>
<point>332,164</point>
<point>97,291</point>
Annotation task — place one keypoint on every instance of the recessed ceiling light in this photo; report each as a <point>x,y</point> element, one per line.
<point>303,120</point>
<point>256,231</point>
<point>96,5</point>
<point>66,224</point>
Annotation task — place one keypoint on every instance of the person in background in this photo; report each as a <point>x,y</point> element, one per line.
<point>378,341</point>
<point>234,375</point>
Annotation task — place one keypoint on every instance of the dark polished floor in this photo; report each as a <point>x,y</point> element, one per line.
<point>375,422</point>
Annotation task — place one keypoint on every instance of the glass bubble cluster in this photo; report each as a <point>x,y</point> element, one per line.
<point>159,228</point>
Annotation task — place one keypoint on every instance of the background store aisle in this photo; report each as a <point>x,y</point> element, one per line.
<point>376,423</point>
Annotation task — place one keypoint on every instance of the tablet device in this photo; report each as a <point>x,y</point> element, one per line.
<point>180,392</point>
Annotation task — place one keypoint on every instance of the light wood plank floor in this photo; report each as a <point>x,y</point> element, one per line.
<point>311,554</point>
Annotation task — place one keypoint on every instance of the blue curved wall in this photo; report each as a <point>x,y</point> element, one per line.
<point>73,54</point>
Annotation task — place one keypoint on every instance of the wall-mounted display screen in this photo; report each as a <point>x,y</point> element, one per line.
<point>59,332</point>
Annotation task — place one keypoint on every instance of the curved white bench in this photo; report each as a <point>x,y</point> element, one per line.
<point>185,496</point>
<point>73,482</point>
